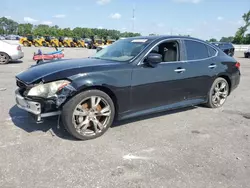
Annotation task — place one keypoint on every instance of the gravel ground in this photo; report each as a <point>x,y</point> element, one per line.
<point>192,147</point>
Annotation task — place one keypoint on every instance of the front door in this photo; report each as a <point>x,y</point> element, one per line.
<point>162,85</point>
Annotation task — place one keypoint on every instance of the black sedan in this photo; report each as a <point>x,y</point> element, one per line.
<point>131,77</point>
<point>226,47</point>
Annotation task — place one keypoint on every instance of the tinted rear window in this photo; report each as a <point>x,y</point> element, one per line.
<point>196,50</point>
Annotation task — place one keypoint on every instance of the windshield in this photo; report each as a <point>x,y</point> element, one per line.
<point>123,50</point>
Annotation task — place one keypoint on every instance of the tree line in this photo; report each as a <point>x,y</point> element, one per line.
<point>9,26</point>
<point>241,37</point>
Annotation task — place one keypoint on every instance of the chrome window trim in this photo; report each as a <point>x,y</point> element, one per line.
<point>185,61</point>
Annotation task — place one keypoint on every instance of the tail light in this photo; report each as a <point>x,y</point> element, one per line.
<point>237,65</point>
<point>19,48</point>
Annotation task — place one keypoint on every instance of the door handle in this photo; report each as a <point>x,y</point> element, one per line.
<point>179,70</point>
<point>212,66</point>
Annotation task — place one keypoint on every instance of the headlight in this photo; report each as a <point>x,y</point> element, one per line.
<point>49,89</point>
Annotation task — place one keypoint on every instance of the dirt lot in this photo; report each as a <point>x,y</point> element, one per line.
<point>192,147</point>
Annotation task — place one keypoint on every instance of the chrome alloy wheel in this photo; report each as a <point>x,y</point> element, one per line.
<point>220,93</point>
<point>3,58</point>
<point>91,116</point>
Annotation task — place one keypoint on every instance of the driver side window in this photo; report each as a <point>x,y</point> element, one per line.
<point>169,51</point>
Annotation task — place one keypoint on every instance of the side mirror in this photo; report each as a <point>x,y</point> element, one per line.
<point>153,58</point>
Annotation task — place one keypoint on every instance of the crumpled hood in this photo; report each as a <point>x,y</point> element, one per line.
<point>60,69</point>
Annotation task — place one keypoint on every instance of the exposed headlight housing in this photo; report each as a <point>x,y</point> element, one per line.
<point>49,89</point>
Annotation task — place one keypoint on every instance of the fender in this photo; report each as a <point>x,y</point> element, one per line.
<point>109,80</point>
<point>82,81</point>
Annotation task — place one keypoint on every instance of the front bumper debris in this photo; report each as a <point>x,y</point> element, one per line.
<point>33,107</point>
<point>29,106</point>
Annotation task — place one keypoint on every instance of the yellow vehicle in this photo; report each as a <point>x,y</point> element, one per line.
<point>30,40</point>
<point>66,42</point>
<point>39,41</point>
<point>79,42</point>
<point>27,41</point>
<point>98,42</point>
<point>110,41</point>
<point>51,41</point>
<point>60,39</point>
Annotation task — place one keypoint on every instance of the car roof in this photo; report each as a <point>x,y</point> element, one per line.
<point>160,37</point>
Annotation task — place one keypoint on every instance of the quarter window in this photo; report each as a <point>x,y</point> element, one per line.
<point>211,51</point>
<point>196,50</point>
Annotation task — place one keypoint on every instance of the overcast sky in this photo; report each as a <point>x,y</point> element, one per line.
<point>200,18</point>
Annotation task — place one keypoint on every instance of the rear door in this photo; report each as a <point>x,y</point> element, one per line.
<point>201,63</point>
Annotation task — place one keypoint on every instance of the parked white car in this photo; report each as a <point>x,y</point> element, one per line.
<point>247,53</point>
<point>9,52</point>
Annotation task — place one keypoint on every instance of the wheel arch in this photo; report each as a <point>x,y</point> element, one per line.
<point>6,54</point>
<point>102,88</point>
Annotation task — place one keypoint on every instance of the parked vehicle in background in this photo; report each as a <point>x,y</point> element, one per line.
<point>12,37</point>
<point>2,37</point>
<point>88,43</point>
<point>51,41</point>
<point>78,42</point>
<point>9,52</point>
<point>226,47</point>
<point>66,42</point>
<point>30,40</point>
<point>109,42</point>
<point>247,53</point>
<point>132,77</point>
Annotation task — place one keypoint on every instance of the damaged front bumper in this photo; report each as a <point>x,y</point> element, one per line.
<point>43,108</point>
<point>33,107</point>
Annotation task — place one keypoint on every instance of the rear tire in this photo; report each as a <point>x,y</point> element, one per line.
<point>218,93</point>
<point>44,44</point>
<point>53,44</point>
<point>25,43</point>
<point>4,58</point>
<point>95,117</point>
<point>36,44</point>
<point>65,45</point>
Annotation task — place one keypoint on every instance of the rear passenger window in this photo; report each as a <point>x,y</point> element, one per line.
<point>211,51</point>
<point>196,50</point>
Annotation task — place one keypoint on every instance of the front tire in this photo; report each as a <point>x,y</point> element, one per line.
<point>88,115</point>
<point>36,44</point>
<point>218,93</point>
<point>26,44</point>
